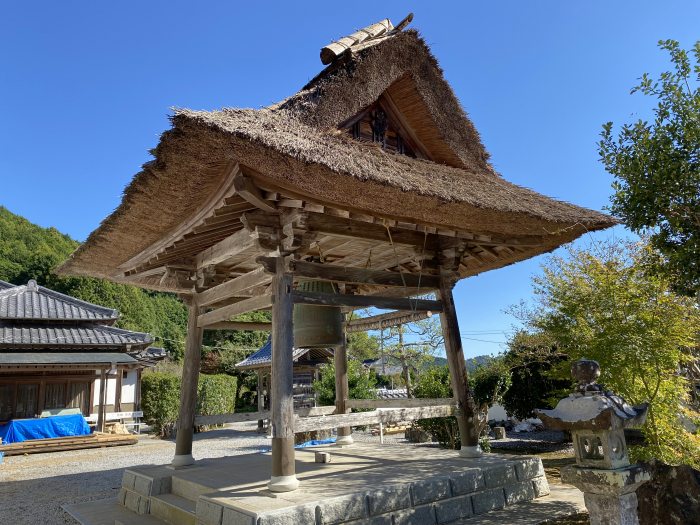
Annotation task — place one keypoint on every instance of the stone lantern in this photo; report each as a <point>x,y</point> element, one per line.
<point>597,420</point>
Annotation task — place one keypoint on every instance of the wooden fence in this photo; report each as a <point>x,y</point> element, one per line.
<point>382,411</point>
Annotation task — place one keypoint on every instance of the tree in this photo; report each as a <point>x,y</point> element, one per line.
<point>609,305</point>
<point>535,365</point>
<point>657,168</point>
<point>361,383</point>
<point>488,383</point>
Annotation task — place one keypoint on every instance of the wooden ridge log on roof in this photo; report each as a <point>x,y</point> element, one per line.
<point>337,48</point>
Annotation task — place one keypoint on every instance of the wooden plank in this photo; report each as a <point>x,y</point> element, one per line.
<point>231,288</point>
<point>232,245</point>
<point>240,325</point>
<point>399,403</point>
<point>226,312</point>
<point>247,190</point>
<point>330,272</point>
<point>365,301</point>
<point>377,322</point>
<point>384,416</point>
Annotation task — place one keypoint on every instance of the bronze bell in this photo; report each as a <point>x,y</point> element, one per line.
<point>317,326</point>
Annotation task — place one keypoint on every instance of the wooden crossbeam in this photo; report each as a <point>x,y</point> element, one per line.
<point>377,322</point>
<point>233,287</point>
<point>225,249</point>
<point>247,190</point>
<point>347,274</point>
<point>240,325</point>
<point>340,227</point>
<point>366,301</point>
<point>329,272</point>
<point>227,312</point>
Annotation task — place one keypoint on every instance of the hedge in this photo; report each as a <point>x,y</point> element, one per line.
<point>160,398</point>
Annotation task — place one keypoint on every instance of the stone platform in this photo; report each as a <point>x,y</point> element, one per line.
<point>362,484</point>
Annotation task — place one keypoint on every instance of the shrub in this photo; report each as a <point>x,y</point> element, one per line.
<point>160,398</point>
<point>216,394</point>
<point>160,401</point>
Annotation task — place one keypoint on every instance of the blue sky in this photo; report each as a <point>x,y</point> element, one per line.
<point>86,87</point>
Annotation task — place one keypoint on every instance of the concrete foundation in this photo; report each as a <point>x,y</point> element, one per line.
<point>363,484</point>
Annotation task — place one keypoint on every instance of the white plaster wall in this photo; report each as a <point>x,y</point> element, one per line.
<point>129,387</point>
<point>111,390</point>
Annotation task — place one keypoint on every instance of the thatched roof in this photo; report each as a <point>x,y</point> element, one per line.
<point>297,145</point>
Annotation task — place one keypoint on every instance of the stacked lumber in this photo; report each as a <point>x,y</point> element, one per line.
<point>34,446</point>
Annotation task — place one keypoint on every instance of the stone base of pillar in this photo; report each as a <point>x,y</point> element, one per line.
<point>283,483</point>
<point>182,460</point>
<point>344,440</point>
<point>609,494</point>
<point>471,452</point>
<point>607,509</point>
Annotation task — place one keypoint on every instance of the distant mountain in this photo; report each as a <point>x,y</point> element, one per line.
<point>472,363</point>
<point>475,362</point>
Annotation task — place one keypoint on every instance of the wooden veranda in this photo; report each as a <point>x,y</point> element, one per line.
<point>371,177</point>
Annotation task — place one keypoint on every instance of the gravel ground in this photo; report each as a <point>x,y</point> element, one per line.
<point>534,442</point>
<point>33,487</point>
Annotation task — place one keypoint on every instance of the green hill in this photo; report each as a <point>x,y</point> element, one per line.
<point>28,251</point>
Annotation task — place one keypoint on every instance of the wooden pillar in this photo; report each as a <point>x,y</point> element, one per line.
<point>261,399</point>
<point>118,391</point>
<point>342,392</point>
<point>101,402</point>
<point>137,394</point>
<point>188,391</point>
<point>466,414</point>
<point>283,477</point>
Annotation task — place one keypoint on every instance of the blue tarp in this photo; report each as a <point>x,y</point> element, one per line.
<point>19,430</point>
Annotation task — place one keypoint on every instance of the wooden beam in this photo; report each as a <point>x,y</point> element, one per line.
<point>365,301</point>
<point>399,403</point>
<point>221,419</point>
<point>225,249</point>
<point>226,312</point>
<point>345,274</point>
<point>240,325</point>
<point>377,322</point>
<point>247,190</point>
<point>230,288</point>
<point>386,415</point>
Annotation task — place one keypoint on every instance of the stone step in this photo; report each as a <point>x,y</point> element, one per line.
<point>173,509</point>
<point>188,489</point>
